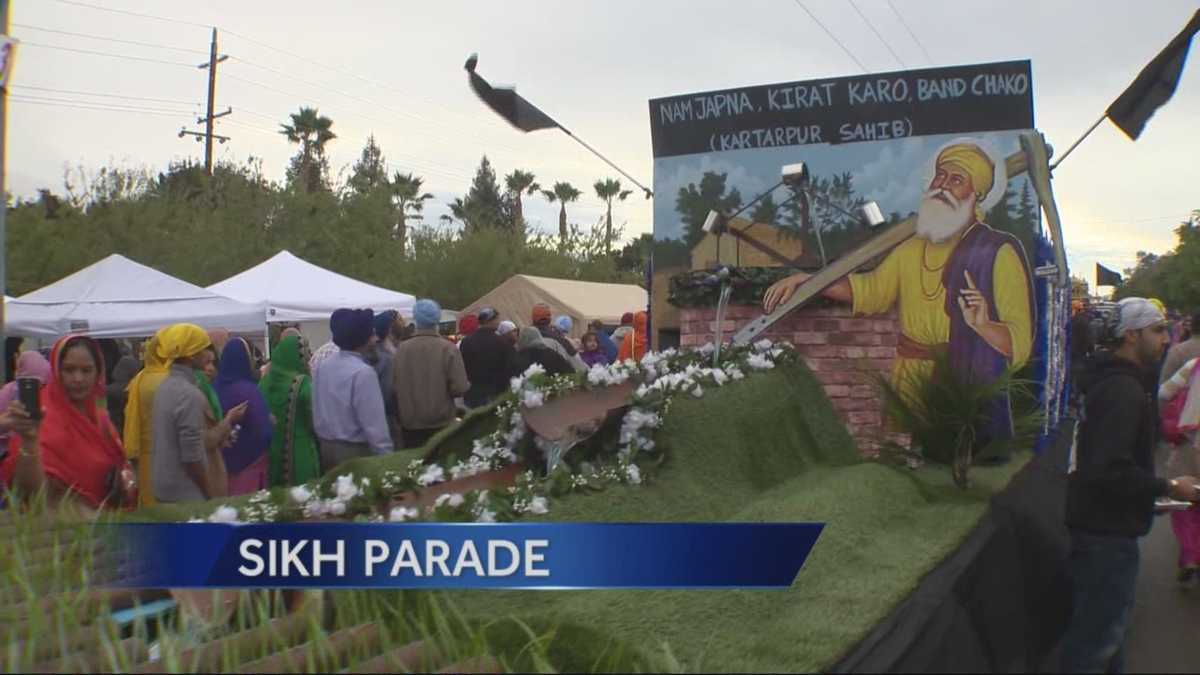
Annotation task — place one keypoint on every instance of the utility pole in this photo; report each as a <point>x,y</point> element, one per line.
<point>209,118</point>
<point>7,54</point>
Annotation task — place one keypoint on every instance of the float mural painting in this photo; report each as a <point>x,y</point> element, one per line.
<point>932,143</point>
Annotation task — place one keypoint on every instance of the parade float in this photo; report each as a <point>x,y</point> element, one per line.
<point>928,560</point>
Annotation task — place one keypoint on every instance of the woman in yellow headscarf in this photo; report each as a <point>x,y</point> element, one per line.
<point>169,344</point>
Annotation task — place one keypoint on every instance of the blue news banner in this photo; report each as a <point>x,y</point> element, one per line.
<point>464,555</point>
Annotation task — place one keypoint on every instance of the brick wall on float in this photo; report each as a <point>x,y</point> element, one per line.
<point>837,347</point>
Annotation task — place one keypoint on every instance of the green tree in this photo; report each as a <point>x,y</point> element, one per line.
<point>766,211</point>
<point>608,190</point>
<point>484,206</point>
<point>370,171</point>
<point>563,193</point>
<point>311,131</point>
<point>695,201</point>
<point>409,201</point>
<point>520,183</point>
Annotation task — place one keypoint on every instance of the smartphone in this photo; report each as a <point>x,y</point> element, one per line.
<point>29,394</point>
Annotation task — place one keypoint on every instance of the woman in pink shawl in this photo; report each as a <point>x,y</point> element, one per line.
<point>29,364</point>
<point>1185,460</point>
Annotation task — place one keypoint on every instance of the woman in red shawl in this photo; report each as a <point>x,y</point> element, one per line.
<point>634,344</point>
<point>74,450</point>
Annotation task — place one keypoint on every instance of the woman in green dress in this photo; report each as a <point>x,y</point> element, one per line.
<point>288,390</point>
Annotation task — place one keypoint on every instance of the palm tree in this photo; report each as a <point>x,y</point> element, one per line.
<point>311,131</point>
<point>609,189</point>
<point>520,182</point>
<point>563,193</point>
<point>458,211</point>
<point>409,201</point>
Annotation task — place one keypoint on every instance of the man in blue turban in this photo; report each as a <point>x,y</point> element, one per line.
<point>348,409</point>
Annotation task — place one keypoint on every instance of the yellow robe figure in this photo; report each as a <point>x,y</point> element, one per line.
<point>910,279</point>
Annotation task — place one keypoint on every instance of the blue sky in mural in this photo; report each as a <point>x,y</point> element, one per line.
<point>893,173</point>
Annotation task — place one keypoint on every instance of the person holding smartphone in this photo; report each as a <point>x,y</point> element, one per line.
<point>66,443</point>
<point>31,365</point>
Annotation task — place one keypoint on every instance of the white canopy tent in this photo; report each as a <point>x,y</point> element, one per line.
<point>117,297</point>
<point>294,290</point>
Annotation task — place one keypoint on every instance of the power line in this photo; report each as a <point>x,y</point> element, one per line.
<point>414,116</point>
<point>129,13</point>
<point>31,97</point>
<point>92,93</point>
<point>831,35</point>
<point>349,73</point>
<point>1183,218</point>
<point>139,111</point>
<point>877,34</point>
<point>108,39</point>
<point>425,165</point>
<point>292,95</point>
<point>910,32</point>
<point>26,43</point>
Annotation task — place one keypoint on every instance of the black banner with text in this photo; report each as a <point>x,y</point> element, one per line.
<point>876,107</point>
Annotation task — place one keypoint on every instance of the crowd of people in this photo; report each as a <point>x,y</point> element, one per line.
<point>1136,394</point>
<point>190,415</point>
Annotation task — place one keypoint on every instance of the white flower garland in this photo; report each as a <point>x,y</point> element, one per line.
<point>660,376</point>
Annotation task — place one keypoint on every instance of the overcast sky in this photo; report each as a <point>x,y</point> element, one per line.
<point>394,69</point>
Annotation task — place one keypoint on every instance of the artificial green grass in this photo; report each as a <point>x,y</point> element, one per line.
<point>769,448</point>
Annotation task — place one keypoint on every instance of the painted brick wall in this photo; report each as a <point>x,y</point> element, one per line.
<point>838,347</point>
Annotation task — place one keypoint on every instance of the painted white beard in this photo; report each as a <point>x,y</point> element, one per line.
<point>938,221</point>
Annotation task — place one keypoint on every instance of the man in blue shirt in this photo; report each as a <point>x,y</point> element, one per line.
<point>348,410</point>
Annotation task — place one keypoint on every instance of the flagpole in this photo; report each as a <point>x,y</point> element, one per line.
<point>648,191</point>
<point>1081,139</point>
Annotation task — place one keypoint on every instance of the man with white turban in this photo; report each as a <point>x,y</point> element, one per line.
<point>1111,487</point>
<point>959,285</point>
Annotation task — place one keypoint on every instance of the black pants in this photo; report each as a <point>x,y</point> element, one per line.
<point>416,438</point>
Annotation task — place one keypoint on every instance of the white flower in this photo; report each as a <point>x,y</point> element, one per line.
<point>533,369</point>
<point>300,494</point>
<point>707,349</point>
<point>537,506</point>
<point>454,499</point>
<point>633,473</point>
<point>719,377</point>
<point>516,384</point>
<point>402,513</point>
<point>345,488</point>
<point>485,516</point>
<point>698,392</point>
<point>224,514</point>
<point>433,474</point>
<point>197,520</point>
<point>533,399</point>
<point>315,509</point>
<point>763,345</point>
<point>759,362</point>
<point>337,508</point>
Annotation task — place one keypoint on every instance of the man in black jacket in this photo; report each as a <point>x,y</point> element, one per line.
<point>1112,487</point>
<point>488,358</point>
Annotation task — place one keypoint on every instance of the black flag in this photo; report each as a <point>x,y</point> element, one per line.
<point>508,104</point>
<point>1154,85</point>
<point>1107,277</point>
